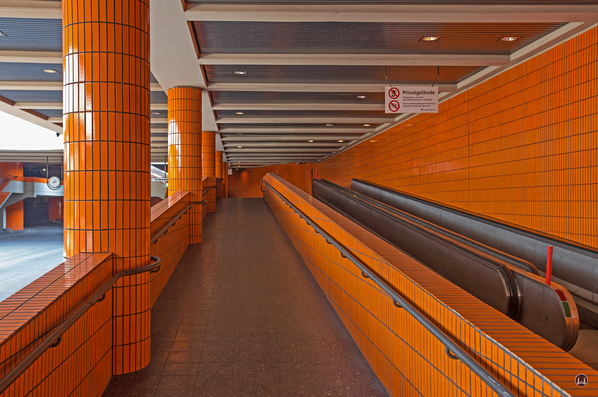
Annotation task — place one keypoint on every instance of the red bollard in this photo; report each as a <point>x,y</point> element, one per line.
<point>549,265</point>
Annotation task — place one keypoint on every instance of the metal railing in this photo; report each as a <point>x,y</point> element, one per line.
<point>207,189</point>
<point>7,179</point>
<point>453,350</point>
<point>178,216</point>
<point>55,336</point>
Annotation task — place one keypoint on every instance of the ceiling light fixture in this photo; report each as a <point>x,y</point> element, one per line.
<point>430,38</point>
<point>367,125</point>
<point>240,72</point>
<point>329,125</point>
<point>156,113</point>
<point>340,140</point>
<point>362,96</point>
<point>240,147</point>
<point>51,71</point>
<point>509,38</point>
<point>310,141</point>
<point>373,140</point>
<point>239,112</point>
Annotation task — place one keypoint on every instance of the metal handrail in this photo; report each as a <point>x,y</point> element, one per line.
<point>7,178</point>
<point>207,189</point>
<point>453,350</point>
<point>178,216</point>
<point>55,337</point>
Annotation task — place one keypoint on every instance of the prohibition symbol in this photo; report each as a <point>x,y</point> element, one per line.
<point>581,380</point>
<point>394,93</point>
<point>394,106</point>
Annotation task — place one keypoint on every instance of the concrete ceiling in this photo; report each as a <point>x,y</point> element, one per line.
<point>306,62</point>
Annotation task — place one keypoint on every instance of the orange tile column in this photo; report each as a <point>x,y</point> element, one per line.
<point>219,175</point>
<point>208,150</point>
<point>225,180</point>
<point>184,151</point>
<point>107,156</point>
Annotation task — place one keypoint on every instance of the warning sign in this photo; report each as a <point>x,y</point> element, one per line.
<point>413,99</point>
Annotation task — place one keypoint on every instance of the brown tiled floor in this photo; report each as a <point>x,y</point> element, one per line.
<point>242,316</point>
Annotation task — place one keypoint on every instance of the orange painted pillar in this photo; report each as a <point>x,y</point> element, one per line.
<point>219,175</point>
<point>107,156</point>
<point>225,180</point>
<point>184,151</point>
<point>208,151</point>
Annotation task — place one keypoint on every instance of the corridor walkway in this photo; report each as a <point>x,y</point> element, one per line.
<point>242,316</point>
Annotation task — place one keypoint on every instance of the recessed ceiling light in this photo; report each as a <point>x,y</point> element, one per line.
<point>373,140</point>
<point>367,125</point>
<point>240,72</point>
<point>52,71</point>
<point>509,38</point>
<point>329,125</point>
<point>362,96</point>
<point>340,140</point>
<point>239,112</point>
<point>156,113</point>
<point>311,140</point>
<point>240,147</point>
<point>430,38</point>
<point>2,33</point>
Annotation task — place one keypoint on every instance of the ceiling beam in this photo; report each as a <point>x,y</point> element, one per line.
<point>303,120</point>
<point>58,105</point>
<point>47,86</point>
<point>315,87</point>
<point>288,138</point>
<point>298,130</point>
<point>299,106</point>
<point>281,150</point>
<point>303,144</point>
<point>31,9</point>
<point>31,57</point>
<point>24,115</point>
<point>420,13</point>
<point>355,59</point>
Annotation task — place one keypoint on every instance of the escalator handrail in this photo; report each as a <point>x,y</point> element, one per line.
<point>452,349</point>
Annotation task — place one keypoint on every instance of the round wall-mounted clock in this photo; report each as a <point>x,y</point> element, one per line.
<point>54,183</point>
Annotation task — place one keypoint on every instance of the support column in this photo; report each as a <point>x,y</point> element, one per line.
<point>219,175</point>
<point>208,150</point>
<point>225,180</point>
<point>184,151</point>
<point>107,156</point>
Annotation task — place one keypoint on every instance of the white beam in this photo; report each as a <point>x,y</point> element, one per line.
<point>47,86</point>
<point>298,130</point>
<point>304,120</point>
<point>303,144</point>
<point>281,150</point>
<point>303,138</point>
<point>31,57</point>
<point>20,113</point>
<point>355,59</point>
<point>316,87</point>
<point>420,13</point>
<point>31,9</point>
<point>299,106</point>
<point>58,105</point>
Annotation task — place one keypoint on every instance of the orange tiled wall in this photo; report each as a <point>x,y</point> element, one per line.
<point>81,365</point>
<point>208,153</point>
<point>218,170</point>
<point>15,219</point>
<point>184,150</point>
<point>172,245</point>
<point>55,208</point>
<point>521,147</point>
<point>107,155</point>
<point>15,216</point>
